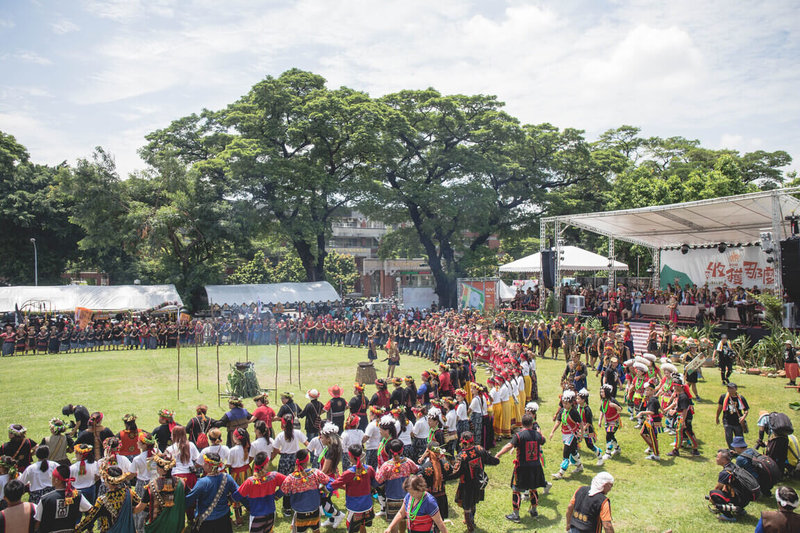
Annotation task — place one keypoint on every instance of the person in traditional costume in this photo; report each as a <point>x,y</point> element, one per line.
<point>372,436</point>
<point>144,468</point>
<point>381,398</point>
<point>38,477</point>
<point>357,480</point>
<point>18,515</point>
<point>419,510</point>
<point>393,472</point>
<point>111,458</point>
<point>59,443</point>
<point>469,467</point>
<point>239,464</point>
<point>211,496</point>
<point>587,418</point>
<point>436,469</point>
<point>263,412</point>
<point>329,459</point>
<point>19,447</point>
<point>113,511</point>
<point>258,493</point>
<point>163,432</point>
<point>85,471</point>
<point>651,426</point>
<point>163,502</point>
<point>129,437</point>
<point>59,510</point>
<point>569,420</point>
<point>301,487</point>
<point>611,419</point>
<point>683,410</point>
<point>236,417</point>
<point>287,444</point>
<point>358,405</point>
<point>528,474</point>
<point>351,435</point>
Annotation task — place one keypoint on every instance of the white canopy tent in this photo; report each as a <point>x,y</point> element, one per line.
<point>575,259</point>
<point>271,293</point>
<point>97,298</point>
<point>504,292</point>
<point>730,220</point>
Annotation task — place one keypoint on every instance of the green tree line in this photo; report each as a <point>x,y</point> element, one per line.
<point>253,188</point>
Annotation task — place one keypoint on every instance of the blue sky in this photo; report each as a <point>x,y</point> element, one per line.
<point>78,74</point>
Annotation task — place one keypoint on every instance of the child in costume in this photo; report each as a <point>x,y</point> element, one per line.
<point>419,509</point>
<point>392,473</point>
<point>357,480</point>
<point>587,418</point>
<point>258,493</point>
<point>569,420</point>
<point>610,417</point>
<point>302,489</point>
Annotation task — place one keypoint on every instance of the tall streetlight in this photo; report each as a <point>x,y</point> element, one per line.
<point>35,263</point>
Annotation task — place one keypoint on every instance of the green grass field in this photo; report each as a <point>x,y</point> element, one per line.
<point>647,496</point>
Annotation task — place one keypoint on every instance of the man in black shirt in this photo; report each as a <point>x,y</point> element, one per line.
<point>652,425</point>
<point>590,509</point>
<point>81,415</point>
<point>734,409</point>
<point>528,473</point>
<point>60,509</point>
<point>336,407</point>
<point>726,499</point>
<point>312,412</point>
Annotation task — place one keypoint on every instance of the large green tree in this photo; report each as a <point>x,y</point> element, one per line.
<point>299,153</point>
<point>460,170</point>
<point>31,208</point>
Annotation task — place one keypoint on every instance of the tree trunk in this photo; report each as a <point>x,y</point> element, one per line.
<point>319,269</point>
<point>306,257</point>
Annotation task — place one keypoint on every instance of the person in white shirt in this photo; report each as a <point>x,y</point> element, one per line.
<point>111,458</point>
<point>60,510</point>
<point>404,428</point>
<point>477,410</point>
<point>85,472</point>
<point>462,418</point>
<point>287,444</point>
<point>262,443</point>
<point>420,433</point>
<point>187,457</point>
<point>239,464</point>
<point>450,425</point>
<point>497,408</point>
<point>372,437</point>
<point>350,435</point>
<point>39,476</point>
<point>216,446</point>
<point>144,468</point>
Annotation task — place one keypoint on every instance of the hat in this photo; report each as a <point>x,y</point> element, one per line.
<point>83,449</point>
<point>235,401</point>
<point>396,381</point>
<point>568,395</point>
<point>335,391</point>
<point>164,460</point>
<point>532,406</point>
<point>434,412</point>
<point>359,387</point>
<point>583,392</point>
<point>166,413</point>
<point>387,420</point>
<point>57,426</point>
<point>263,398</point>
<point>130,417</point>
<point>352,422</point>
<point>732,385</point>
<point>329,429</point>
<point>789,342</point>
<point>677,380</point>
<point>380,383</point>
<point>375,410</point>
<point>425,374</point>
<point>17,429</point>
<point>738,442</point>
<point>287,394</point>
<point>461,392</point>
<point>313,394</point>
<point>408,379</point>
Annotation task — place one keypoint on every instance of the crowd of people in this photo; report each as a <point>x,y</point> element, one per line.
<point>625,302</point>
<point>402,444</point>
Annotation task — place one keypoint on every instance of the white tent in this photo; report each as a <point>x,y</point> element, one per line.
<point>97,298</point>
<point>730,219</point>
<point>505,292</point>
<point>271,293</point>
<point>575,259</point>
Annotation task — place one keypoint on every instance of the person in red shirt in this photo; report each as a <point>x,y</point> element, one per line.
<point>263,412</point>
<point>258,493</point>
<point>357,481</point>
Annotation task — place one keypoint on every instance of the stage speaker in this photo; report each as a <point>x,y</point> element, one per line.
<point>549,268</point>
<point>790,268</point>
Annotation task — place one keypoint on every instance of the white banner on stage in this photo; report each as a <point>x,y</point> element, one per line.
<point>744,266</point>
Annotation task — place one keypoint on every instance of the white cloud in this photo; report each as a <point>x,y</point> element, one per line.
<point>6,23</point>
<point>64,26</point>
<point>740,143</point>
<point>27,56</point>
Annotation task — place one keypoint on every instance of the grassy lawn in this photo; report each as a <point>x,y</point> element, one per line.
<point>647,497</point>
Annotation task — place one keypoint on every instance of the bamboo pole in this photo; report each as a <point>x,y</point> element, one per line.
<point>179,372</point>
<point>277,346</point>
<point>290,362</point>
<point>218,390</point>
<point>196,365</point>
<point>299,384</point>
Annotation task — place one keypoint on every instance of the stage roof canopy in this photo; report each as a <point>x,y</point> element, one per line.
<point>97,298</point>
<point>271,293</point>
<point>575,259</point>
<point>730,220</point>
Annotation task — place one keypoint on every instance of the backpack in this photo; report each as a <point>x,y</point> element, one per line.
<point>744,483</point>
<point>202,438</point>
<point>768,471</point>
<point>781,424</point>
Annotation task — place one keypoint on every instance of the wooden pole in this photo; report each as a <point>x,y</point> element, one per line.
<point>218,391</point>
<point>196,365</point>
<point>277,346</point>
<point>179,371</point>
<point>290,362</point>
<point>299,384</point>
<point>246,345</point>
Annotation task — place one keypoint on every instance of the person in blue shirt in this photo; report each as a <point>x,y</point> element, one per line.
<point>211,494</point>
